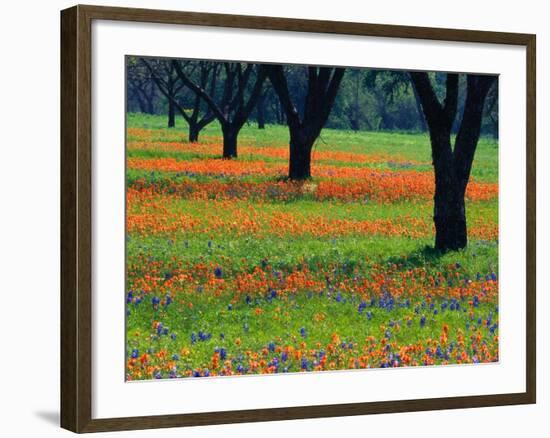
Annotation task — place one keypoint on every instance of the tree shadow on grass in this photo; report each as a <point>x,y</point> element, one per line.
<point>422,257</point>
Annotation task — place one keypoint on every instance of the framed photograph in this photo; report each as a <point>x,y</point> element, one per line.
<point>269,219</point>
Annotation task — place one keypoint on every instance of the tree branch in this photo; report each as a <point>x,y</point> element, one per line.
<point>198,90</point>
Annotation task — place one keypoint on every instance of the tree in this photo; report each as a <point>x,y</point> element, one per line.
<point>233,108</point>
<point>260,110</point>
<point>452,166</point>
<point>164,77</point>
<point>140,86</point>
<point>170,85</point>
<point>322,87</point>
<point>391,90</point>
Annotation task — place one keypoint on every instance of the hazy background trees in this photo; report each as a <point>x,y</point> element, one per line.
<point>367,99</point>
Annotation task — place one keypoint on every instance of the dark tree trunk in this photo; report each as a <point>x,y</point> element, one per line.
<point>171,114</point>
<point>230,134</point>
<point>300,155</point>
<point>421,118</point>
<point>150,105</point>
<point>194,130</point>
<point>449,206</point>
<point>260,111</point>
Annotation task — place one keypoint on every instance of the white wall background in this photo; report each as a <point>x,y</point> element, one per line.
<point>29,218</point>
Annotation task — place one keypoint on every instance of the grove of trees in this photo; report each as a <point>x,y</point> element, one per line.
<point>453,109</point>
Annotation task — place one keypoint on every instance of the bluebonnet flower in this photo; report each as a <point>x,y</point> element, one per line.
<point>135,353</point>
<point>223,353</point>
<point>248,299</point>
<point>304,363</point>
<point>218,272</point>
<point>422,321</point>
<point>175,357</point>
<point>173,336</point>
<point>203,336</point>
<point>193,338</point>
<point>303,332</point>
<point>369,315</point>
<point>155,301</point>
<point>129,297</point>
<point>271,346</point>
<point>284,356</point>
<point>229,307</point>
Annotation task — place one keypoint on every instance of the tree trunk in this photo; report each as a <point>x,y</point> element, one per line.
<point>421,118</point>
<point>449,206</point>
<point>300,156</point>
<point>150,106</point>
<point>450,219</point>
<point>260,112</point>
<point>194,130</point>
<point>171,114</point>
<point>230,142</point>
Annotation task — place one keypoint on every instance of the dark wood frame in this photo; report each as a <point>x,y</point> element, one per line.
<point>76,238</point>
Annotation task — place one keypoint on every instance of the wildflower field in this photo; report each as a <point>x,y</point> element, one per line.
<point>232,269</point>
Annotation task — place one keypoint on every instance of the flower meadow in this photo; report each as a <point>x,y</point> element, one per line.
<point>233,270</point>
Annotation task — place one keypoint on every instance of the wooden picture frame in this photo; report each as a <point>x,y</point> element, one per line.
<point>76,217</point>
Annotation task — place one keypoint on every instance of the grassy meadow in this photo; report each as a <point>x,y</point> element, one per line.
<point>232,269</point>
